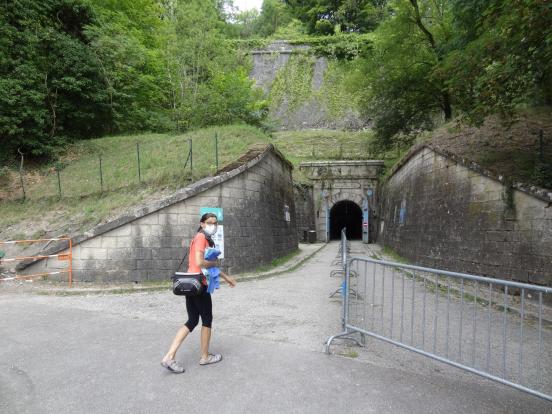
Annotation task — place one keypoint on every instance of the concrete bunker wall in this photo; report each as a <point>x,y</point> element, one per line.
<point>147,245</point>
<point>441,212</point>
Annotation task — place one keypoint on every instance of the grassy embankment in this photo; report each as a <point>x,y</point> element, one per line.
<point>511,149</point>
<point>162,159</point>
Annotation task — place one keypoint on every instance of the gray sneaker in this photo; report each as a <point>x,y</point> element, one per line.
<point>211,359</point>
<point>173,366</point>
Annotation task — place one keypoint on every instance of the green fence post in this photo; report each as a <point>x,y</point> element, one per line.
<point>101,175</point>
<point>21,175</point>
<point>138,155</point>
<point>216,152</point>
<point>59,180</point>
<point>191,155</point>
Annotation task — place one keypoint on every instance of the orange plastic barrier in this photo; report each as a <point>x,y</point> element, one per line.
<point>62,257</point>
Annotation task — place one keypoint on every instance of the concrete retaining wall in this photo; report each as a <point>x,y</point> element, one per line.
<point>254,193</point>
<point>444,212</point>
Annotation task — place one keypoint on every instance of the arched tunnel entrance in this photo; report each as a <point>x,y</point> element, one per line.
<point>346,214</point>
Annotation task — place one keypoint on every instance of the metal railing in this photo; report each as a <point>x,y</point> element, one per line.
<point>495,328</point>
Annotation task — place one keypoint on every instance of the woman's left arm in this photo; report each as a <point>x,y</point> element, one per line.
<point>230,280</point>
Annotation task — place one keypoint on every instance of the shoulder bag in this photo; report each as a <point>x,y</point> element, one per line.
<point>188,284</point>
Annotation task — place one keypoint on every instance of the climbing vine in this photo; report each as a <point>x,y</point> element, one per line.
<point>335,93</point>
<point>341,46</point>
<point>292,85</point>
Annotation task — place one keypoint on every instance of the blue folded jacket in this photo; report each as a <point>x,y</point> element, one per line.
<point>212,273</point>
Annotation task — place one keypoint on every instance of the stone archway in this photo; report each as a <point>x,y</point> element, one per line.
<point>354,181</point>
<point>346,214</point>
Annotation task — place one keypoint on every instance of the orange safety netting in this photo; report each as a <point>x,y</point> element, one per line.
<point>66,256</point>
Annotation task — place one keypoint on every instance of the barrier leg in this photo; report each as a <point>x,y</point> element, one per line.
<point>342,335</point>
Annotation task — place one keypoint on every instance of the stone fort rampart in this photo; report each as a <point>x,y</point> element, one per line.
<point>256,195</point>
<point>442,211</point>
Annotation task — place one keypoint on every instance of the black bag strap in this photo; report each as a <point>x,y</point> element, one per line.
<point>184,258</point>
<point>209,240</point>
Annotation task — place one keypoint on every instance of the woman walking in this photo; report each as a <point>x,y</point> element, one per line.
<point>198,306</point>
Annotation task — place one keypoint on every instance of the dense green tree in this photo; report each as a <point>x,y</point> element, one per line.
<point>72,69</point>
<point>208,81</point>
<point>401,92</point>
<point>127,42</point>
<point>246,23</point>
<point>274,15</point>
<point>323,16</point>
<point>501,56</point>
<point>50,84</point>
<point>477,57</point>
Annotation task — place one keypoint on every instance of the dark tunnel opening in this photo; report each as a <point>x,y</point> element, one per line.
<point>345,214</point>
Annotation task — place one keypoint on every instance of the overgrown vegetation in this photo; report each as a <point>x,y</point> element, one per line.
<point>76,69</point>
<point>418,63</point>
<point>293,82</point>
<point>313,145</point>
<point>521,152</point>
<point>435,60</point>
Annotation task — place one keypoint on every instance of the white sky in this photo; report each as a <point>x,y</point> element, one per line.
<point>244,5</point>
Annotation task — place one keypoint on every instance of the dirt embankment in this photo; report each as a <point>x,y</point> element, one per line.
<point>505,147</point>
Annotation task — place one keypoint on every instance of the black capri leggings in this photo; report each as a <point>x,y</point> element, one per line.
<point>199,306</point>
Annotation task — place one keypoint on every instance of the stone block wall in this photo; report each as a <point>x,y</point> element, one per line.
<point>147,245</point>
<point>304,206</point>
<point>445,213</point>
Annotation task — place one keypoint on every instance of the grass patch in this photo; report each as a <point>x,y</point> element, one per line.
<point>315,145</point>
<point>277,262</point>
<point>162,160</point>
<point>388,251</point>
<point>350,353</point>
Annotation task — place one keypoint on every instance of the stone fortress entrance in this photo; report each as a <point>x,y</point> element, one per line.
<point>346,214</point>
<point>344,195</point>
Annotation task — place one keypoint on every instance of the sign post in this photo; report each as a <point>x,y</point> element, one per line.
<point>366,217</point>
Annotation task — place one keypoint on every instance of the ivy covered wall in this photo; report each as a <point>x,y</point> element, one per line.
<point>306,89</point>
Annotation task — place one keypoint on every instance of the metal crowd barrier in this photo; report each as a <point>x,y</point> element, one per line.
<point>495,328</point>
